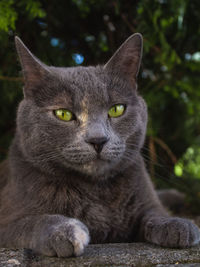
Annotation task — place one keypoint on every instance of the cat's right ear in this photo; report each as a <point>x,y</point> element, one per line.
<point>34,71</point>
<point>126,60</point>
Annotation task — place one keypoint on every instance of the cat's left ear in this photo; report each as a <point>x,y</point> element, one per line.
<point>126,60</point>
<point>34,71</point>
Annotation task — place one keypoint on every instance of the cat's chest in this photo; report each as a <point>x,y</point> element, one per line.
<point>107,222</point>
<point>107,213</point>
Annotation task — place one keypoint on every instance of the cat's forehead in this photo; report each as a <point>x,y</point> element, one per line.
<point>88,86</point>
<point>85,80</point>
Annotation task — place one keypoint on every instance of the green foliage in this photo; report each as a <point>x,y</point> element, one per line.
<point>8,15</point>
<point>169,77</point>
<point>9,12</point>
<point>189,164</point>
<point>33,8</point>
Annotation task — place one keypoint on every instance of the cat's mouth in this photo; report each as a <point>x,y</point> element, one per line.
<point>96,163</point>
<point>90,162</point>
<point>98,159</point>
<point>93,164</point>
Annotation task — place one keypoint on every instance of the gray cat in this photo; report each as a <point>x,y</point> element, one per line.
<point>75,173</point>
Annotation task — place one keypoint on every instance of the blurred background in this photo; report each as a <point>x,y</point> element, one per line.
<point>87,32</point>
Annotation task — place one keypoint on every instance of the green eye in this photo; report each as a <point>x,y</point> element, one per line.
<point>116,111</point>
<point>63,114</point>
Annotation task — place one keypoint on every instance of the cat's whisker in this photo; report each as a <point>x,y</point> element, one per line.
<point>167,170</point>
<point>167,179</point>
<point>148,157</point>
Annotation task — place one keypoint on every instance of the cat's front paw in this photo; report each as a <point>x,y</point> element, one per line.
<point>64,239</point>
<point>172,232</point>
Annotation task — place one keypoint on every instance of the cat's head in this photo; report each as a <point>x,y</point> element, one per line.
<point>87,119</point>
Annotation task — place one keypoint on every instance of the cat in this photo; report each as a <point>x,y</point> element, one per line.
<point>75,173</point>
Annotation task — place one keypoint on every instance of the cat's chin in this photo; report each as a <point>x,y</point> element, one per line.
<point>95,168</point>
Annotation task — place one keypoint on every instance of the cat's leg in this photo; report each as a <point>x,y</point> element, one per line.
<point>169,231</point>
<point>51,235</point>
<point>156,225</point>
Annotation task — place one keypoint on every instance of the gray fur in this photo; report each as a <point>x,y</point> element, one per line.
<point>59,189</point>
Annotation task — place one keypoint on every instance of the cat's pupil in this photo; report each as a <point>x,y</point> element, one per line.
<point>63,114</point>
<point>115,108</point>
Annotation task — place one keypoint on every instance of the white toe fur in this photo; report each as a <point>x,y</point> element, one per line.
<point>80,236</point>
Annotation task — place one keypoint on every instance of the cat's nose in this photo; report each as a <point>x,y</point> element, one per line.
<point>98,143</point>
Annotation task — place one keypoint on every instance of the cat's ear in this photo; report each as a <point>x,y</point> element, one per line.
<point>34,71</point>
<point>126,60</point>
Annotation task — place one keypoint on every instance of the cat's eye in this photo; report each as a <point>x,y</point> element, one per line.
<point>116,111</point>
<point>63,114</point>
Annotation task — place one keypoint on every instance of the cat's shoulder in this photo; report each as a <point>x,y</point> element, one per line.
<point>4,173</point>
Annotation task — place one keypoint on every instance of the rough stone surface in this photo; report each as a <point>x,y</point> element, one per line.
<point>109,255</point>
<point>119,255</point>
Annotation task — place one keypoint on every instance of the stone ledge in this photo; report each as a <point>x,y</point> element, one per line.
<point>119,255</point>
<point>109,255</point>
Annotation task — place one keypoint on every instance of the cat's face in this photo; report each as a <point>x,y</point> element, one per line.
<point>102,120</point>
